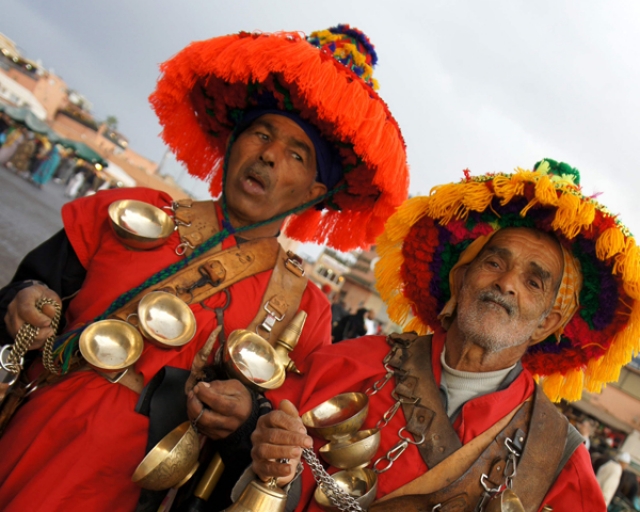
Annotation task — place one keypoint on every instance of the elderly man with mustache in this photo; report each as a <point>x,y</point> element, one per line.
<point>514,276</point>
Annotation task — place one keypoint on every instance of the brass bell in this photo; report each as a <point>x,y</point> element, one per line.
<point>260,497</point>
<point>507,501</point>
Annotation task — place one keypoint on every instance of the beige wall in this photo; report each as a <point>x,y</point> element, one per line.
<point>25,81</point>
<point>51,92</point>
<point>354,296</point>
<point>71,129</point>
<point>619,404</point>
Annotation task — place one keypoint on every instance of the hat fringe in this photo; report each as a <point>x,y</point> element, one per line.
<point>610,243</point>
<point>417,326</point>
<point>574,215</point>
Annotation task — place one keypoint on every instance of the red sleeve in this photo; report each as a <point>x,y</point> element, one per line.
<point>86,220</point>
<point>576,488</point>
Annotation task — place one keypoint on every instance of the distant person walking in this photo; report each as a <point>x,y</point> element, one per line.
<point>10,146</point>
<point>47,167</point>
<point>350,327</point>
<point>609,475</point>
<point>21,160</point>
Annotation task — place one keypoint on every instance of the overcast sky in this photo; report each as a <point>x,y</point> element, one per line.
<point>488,85</point>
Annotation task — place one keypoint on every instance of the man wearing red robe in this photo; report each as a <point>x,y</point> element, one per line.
<point>75,444</point>
<point>514,292</point>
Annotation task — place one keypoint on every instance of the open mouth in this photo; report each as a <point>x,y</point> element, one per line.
<point>255,182</point>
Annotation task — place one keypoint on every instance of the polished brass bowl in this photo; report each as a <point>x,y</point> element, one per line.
<point>339,417</point>
<point>361,483</point>
<point>507,501</point>
<point>252,360</point>
<point>352,452</point>
<point>111,345</point>
<point>140,225</point>
<point>171,462</point>
<point>166,319</point>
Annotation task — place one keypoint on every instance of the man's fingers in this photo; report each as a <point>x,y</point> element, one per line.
<point>281,429</point>
<point>222,399</point>
<point>266,451</point>
<point>266,469</point>
<point>288,408</point>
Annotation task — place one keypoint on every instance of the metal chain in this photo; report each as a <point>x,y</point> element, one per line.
<point>47,352</point>
<point>338,497</point>
<point>27,334</point>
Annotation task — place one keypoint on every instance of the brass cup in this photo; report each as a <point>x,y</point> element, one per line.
<point>111,345</point>
<point>337,418</point>
<point>252,360</point>
<point>507,501</point>
<point>355,451</point>
<point>171,462</point>
<point>360,483</point>
<point>140,225</point>
<point>166,320</point>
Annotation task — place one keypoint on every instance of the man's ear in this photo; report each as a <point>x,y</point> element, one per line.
<point>317,189</point>
<point>547,327</point>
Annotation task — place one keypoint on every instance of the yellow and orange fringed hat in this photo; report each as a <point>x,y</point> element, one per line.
<point>424,239</point>
<point>325,79</point>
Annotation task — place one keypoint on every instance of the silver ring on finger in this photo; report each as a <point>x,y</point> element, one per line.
<point>194,423</point>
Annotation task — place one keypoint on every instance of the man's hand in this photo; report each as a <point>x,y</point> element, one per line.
<point>279,435</point>
<point>227,406</point>
<point>22,309</point>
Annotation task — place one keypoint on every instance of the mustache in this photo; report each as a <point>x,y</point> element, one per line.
<point>259,172</point>
<point>494,296</point>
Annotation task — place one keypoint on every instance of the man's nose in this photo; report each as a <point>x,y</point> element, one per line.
<point>506,282</point>
<point>270,154</point>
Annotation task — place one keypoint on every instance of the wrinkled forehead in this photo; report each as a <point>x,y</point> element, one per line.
<point>529,247</point>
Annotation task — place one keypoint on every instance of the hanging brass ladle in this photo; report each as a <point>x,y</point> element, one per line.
<point>252,360</point>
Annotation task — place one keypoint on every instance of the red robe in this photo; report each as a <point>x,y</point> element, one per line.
<point>356,364</point>
<point>74,445</point>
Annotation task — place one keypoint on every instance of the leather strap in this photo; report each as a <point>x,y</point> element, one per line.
<point>536,429</point>
<point>422,406</point>
<point>465,492</point>
<point>197,221</point>
<point>282,298</point>
<point>542,452</point>
<point>454,466</point>
<point>215,271</point>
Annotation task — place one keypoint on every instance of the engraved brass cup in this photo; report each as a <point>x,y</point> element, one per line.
<point>111,345</point>
<point>171,462</point>
<point>252,360</point>
<point>360,483</point>
<point>339,417</point>
<point>166,320</point>
<point>357,450</point>
<point>140,225</point>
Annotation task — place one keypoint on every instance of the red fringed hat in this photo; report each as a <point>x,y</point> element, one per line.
<point>327,80</point>
<point>425,238</point>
